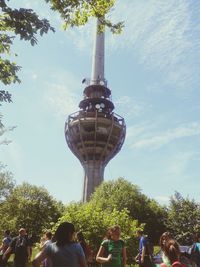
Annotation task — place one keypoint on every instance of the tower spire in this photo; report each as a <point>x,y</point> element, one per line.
<point>97,76</point>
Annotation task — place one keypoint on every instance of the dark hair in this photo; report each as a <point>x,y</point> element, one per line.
<point>172,250</point>
<point>7,232</point>
<point>140,232</point>
<point>64,233</point>
<point>80,236</point>
<point>81,240</point>
<point>196,237</point>
<point>48,234</point>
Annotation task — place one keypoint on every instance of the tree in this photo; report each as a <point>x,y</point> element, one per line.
<point>6,183</point>
<point>4,96</point>
<point>183,218</point>
<point>78,12</point>
<point>24,23</point>
<point>120,194</point>
<point>31,207</point>
<point>95,221</point>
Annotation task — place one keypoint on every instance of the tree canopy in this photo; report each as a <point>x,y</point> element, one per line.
<point>26,206</point>
<point>78,12</point>
<point>183,218</point>
<point>120,194</point>
<point>21,22</point>
<point>6,183</point>
<point>26,24</point>
<point>94,222</point>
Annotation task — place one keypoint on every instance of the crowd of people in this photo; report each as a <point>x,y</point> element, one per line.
<point>19,245</point>
<point>66,248</point>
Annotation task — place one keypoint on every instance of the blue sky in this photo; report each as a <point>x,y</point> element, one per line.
<point>153,71</point>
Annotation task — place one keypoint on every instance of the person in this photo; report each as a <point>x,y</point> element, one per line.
<point>21,249</point>
<point>112,251</point>
<point>86,248</point>
<point>5,244</point>
<point>165,240</point>
<point>144,255</point>
<point>172,252</point>
<point>165,237</point>
<point>45,242</point>
<point>47,239</point>
<point>195,250</point>
<point>64,251</point>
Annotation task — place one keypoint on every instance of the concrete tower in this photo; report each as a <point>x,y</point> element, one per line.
<point>95,134</point>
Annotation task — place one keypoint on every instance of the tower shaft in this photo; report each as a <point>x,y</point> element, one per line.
<point>93,177</point>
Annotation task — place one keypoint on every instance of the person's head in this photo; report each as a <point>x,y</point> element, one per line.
<point>22,231</point>
<point>164,238</point>
<point>80,236</point>
<point>139,233</point>
<point>7,232</point>
<point>64,233</point>
<point>197,237</point>
<point>114,232</point>
<point>48,235</point>
<point>172,250</point>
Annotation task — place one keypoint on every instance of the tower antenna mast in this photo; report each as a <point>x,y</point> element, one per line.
<point>98,62</point>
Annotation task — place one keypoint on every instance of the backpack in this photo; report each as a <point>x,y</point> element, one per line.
<point>20,246</point>
<point>195,253</point>
<point>6,241</point>
<point>174,264</point>
<point>178,264</point>
<point>89,254</point>
<point>195,249</point>
<point>149,248</point>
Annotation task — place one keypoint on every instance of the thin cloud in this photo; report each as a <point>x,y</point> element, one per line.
<point>163,36</point>
<point>162,199</point>
<point>136,130</point>
<point>61,94</point>
<point>15,154</point>
<point>158,140</point>
<point>129,106</point>
<point>179,163</point>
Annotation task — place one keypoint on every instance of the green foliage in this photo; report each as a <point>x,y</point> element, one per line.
<point>183,218</point>
<point>78,12</point>
<point>120,194</point>
<point>26,24</point>
<point>4,130</point>
<point>4,97</point>
<point>95,221</point>
<point>31,207</point>
<point>6,183</point>
<point>21,22</point>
